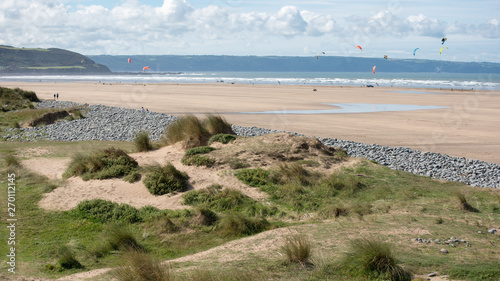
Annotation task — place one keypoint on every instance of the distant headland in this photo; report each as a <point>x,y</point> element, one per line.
<point>46,61</point>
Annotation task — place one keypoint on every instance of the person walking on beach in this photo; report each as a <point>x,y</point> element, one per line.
<point>57,96</point>
<point>54,96</point>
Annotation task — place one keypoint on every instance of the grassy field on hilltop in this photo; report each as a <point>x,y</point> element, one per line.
<point>306,212</point>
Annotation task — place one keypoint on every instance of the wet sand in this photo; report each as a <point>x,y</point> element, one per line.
<point>468,126</point>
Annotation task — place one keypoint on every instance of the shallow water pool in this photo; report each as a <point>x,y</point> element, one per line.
<point>354,108</point>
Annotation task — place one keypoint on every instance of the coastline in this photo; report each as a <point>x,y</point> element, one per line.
<point>468,126</point>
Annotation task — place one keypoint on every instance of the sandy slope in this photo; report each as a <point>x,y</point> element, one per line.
<point>135,194</point>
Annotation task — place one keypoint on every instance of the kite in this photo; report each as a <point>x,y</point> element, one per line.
<point>359,47</point>
<point>415,50</point>
<point>442,50</point>
<point>144,69</point>
<point>317,56</point>
<point>374,69</point>
<point>443,40</point>
<point>129,60</point>
<point>385,56</point>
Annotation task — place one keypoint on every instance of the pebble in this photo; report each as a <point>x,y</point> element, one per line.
<point>121,124</point>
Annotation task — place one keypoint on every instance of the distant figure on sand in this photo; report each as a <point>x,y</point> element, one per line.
<point>54,96</point>
<point>57,95</point>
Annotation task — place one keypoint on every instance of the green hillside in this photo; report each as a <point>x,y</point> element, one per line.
<point>46,61</point>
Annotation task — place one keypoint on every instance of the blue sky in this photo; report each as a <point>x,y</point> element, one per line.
<point>256,27</point>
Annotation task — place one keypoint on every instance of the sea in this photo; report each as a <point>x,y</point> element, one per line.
<point>438,80</point>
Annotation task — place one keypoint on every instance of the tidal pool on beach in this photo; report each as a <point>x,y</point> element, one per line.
<point>415,92</point>
<point>353,108</point>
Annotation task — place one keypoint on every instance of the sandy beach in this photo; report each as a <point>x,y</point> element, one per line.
<point>468,125</point>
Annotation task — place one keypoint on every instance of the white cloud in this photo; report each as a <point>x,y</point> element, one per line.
<point>133,27</point>
<point>424,26</point>
<point>287,22</point>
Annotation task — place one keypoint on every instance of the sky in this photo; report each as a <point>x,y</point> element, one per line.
<point>257,27</point>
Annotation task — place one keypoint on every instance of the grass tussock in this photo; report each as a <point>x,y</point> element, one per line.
<point>12,161</point>
<point>373,259</point>
<point>67,259</point>
<point>165,179</point>
<point>216,124</point>
<point>463,204</point>
<point>193,132</point>
<point>104,164</point>
<point>141,266</point>
<point>120,237</point>
<point>237,225</point>
<point>142,142</point>
<point>297,249</point>
<point>15,99</point>
<point>187,129</point>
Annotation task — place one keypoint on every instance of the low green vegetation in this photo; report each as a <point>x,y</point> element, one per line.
<point>103,211</point>
<point>222,138</point>
<point>227,200</point>
<point>161,180</point>
<point>104,164</point>
<point>300,217</point>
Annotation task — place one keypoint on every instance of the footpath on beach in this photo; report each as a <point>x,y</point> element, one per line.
<point>121,124</point>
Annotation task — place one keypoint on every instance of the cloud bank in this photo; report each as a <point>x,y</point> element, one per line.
<point>133,27</point>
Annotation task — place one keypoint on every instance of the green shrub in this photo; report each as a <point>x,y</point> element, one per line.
<point>254,177</point>
<point>141,266</point>
<point>216,124</point>
<point>103,211</point>
<point>297,249</point>
<point>166,179</point>
<point>142,142</point>
<point>373,258</point>
<point>222,138</point>
<point>67,259</point>
<point>104,164</point>
<point>198,160</point>
<point>236,224</point>
<point>187,129</point>
<point>198,150</point>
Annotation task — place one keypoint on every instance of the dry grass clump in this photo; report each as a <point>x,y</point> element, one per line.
<point>142,142</point>
<point>140,266</point>
<point>297,249</point>
<point>187,129</point>
<point>193,132</point>
<point>216,124</point>
<point>463,204</point>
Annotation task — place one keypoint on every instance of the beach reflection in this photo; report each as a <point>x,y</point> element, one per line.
<point>354,108</point>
